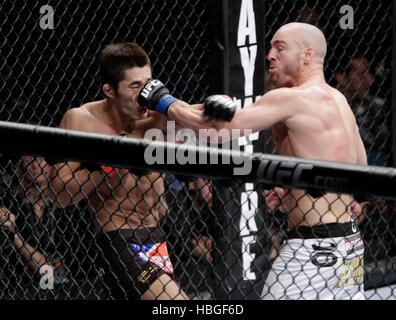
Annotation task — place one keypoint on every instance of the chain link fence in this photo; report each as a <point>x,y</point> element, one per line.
<point>47,71</point>
<point>44,72</point>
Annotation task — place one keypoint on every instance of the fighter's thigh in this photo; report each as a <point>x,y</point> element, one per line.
<point>164,288</point>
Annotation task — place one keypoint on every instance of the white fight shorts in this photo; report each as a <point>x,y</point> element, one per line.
<point>323,262</point>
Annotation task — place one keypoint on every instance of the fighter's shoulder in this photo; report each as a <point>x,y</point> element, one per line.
<point>75,117</point>
<point>283,96</point>
<point>338,95</point>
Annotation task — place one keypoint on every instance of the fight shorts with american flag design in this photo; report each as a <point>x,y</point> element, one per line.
<point>132,260</point>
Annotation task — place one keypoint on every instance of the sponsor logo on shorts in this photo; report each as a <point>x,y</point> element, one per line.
<point>354,243</point>
<point>146,274</point>
<point>156,253</point>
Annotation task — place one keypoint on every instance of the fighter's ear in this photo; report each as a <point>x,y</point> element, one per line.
<point>309,54</point>
<point>108,90</point>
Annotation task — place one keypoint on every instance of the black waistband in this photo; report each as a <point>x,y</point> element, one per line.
<point>141,236</point>
<point>321,231</point>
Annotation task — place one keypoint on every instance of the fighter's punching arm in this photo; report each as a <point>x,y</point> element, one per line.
<point>218,111</point>
<point>273,107</point>
<point>70,181</point>
<point>155,96</point>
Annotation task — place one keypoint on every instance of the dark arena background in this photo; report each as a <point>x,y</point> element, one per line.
<point>221,237</point>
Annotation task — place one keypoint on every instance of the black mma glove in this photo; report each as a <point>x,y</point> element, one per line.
<point>219,107</point>
<point>155,96</point>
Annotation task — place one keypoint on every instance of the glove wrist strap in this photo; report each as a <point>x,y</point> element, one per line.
<point>164,103</point>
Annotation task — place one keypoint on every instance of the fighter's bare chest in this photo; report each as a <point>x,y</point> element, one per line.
<point>132,183</point>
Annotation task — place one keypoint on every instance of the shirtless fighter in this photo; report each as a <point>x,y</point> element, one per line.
<point>323,255</point>
<point>126,205</point>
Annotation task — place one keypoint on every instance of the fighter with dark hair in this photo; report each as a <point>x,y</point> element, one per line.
<point>126,205</point>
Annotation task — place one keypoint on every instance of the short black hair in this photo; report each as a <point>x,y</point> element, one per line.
<point>117,57</point>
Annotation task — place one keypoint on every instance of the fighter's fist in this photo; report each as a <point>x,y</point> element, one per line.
<point>219,107</point>
<point>155,96</point>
